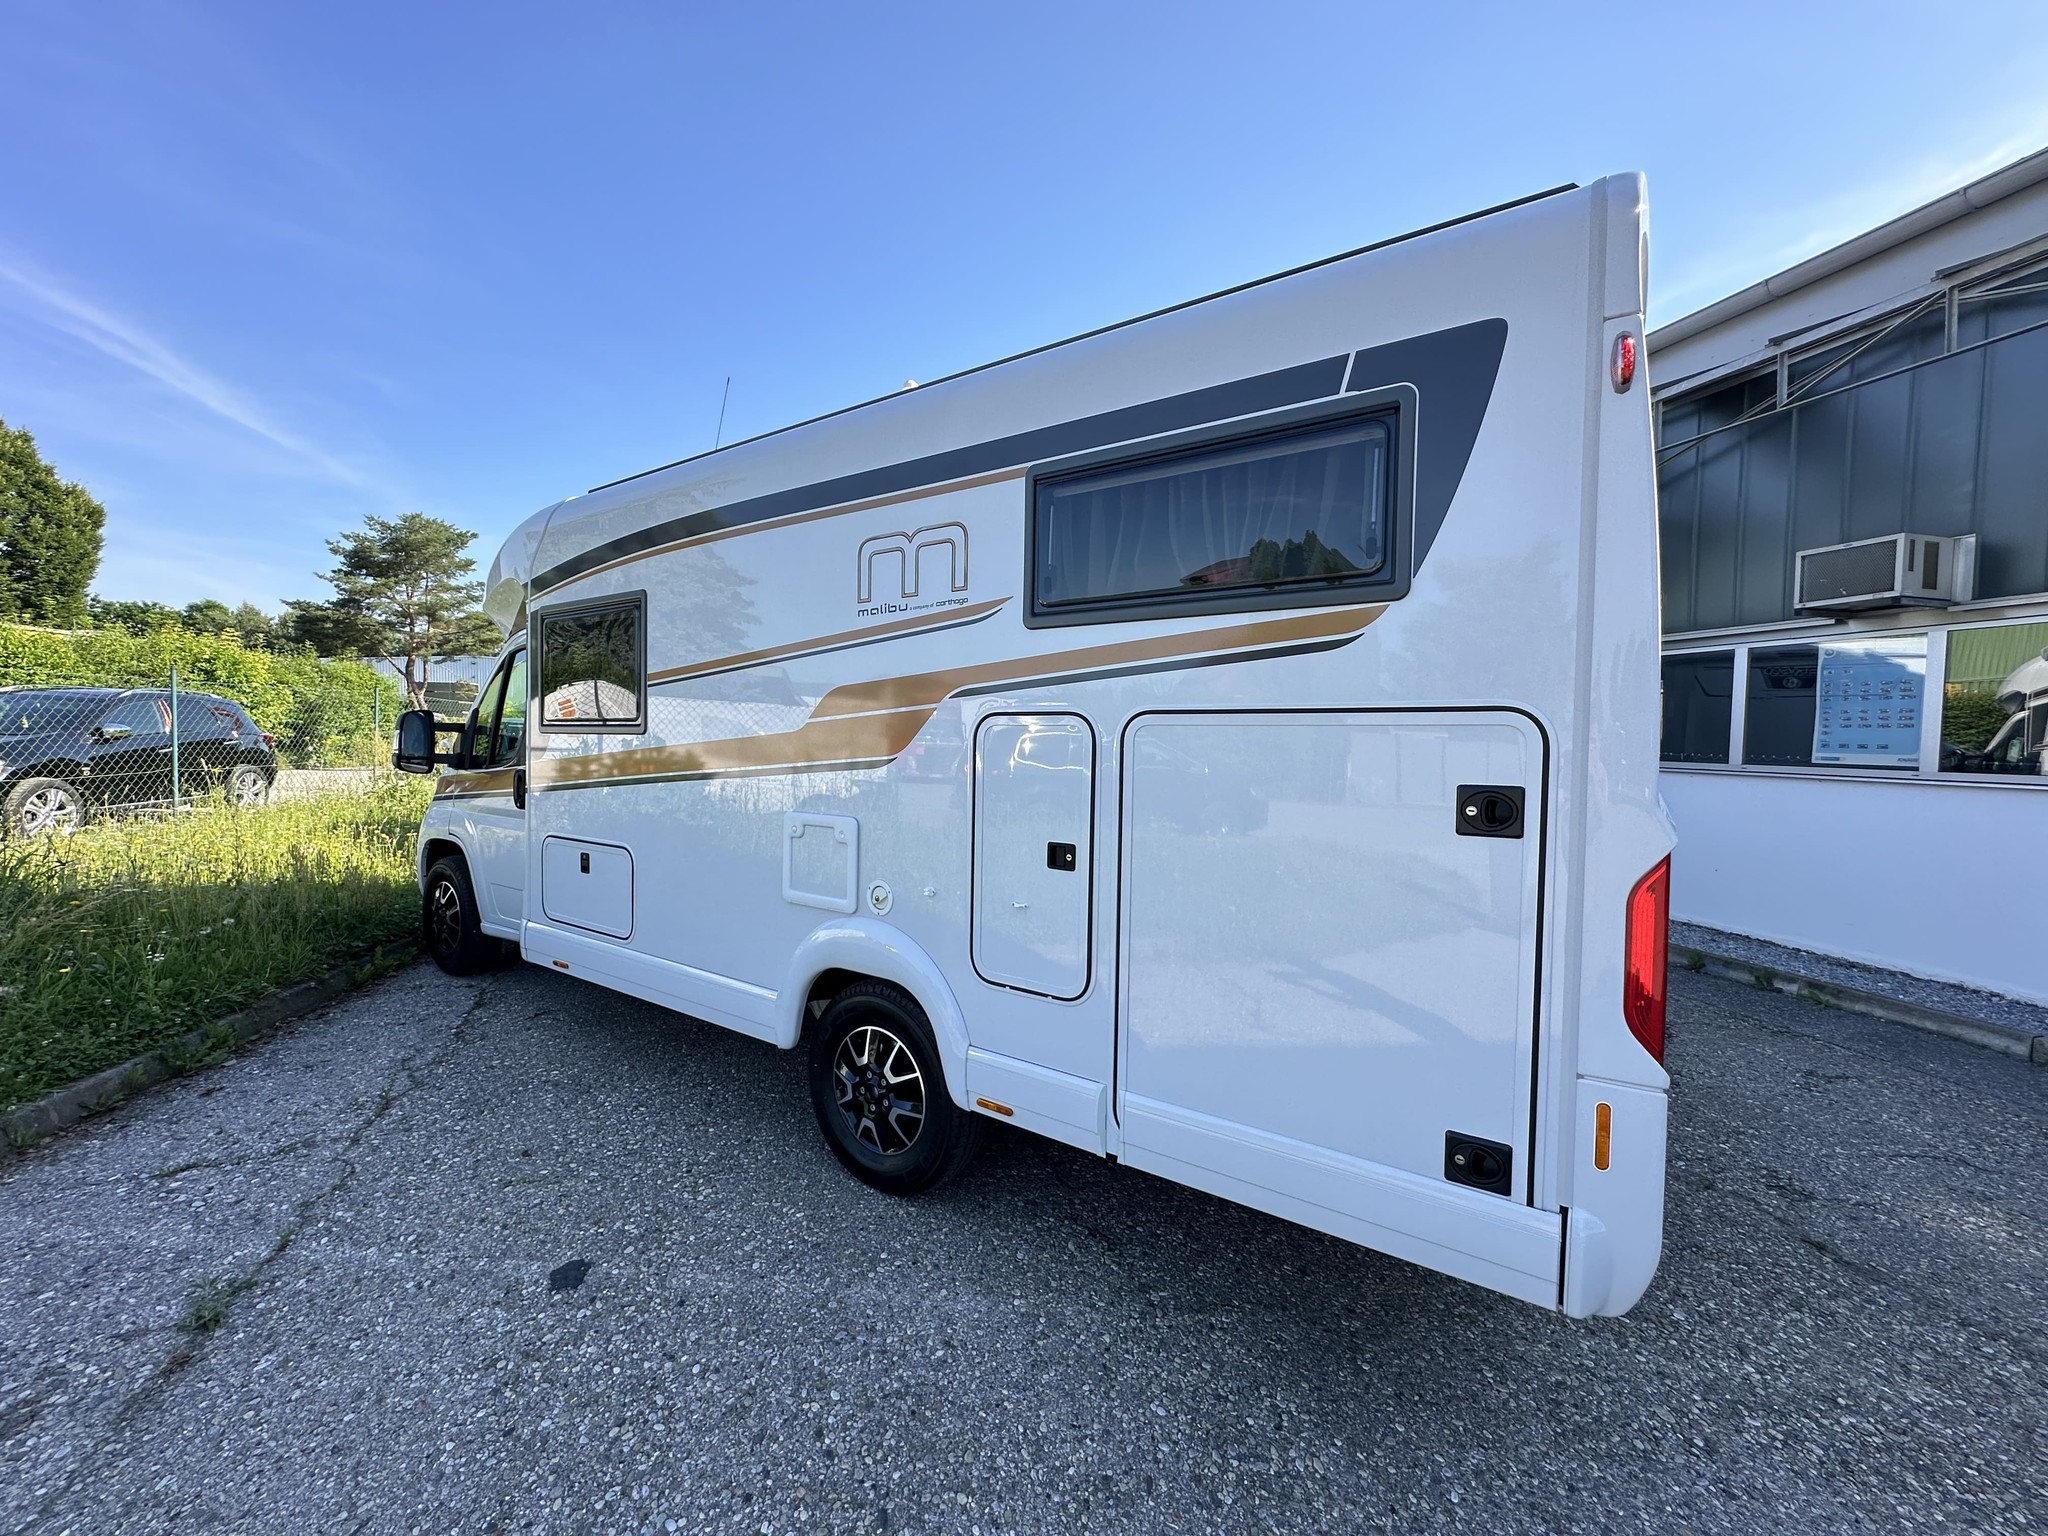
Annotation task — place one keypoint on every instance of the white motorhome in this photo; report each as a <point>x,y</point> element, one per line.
<point>1225,742</point>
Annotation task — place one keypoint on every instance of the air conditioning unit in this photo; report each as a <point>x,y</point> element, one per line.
<point>1903,570</point>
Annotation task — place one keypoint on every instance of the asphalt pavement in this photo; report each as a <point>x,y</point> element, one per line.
<point>516,1254</point>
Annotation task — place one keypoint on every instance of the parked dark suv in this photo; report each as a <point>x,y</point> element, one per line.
<point>67,753</point>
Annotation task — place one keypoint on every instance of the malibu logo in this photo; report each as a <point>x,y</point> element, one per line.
<point>890,568</point>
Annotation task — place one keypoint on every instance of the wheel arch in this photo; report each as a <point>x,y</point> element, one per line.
<point>861,949</point>
<point>435,846</point>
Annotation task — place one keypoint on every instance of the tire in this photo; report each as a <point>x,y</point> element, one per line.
<point>246,785</point>
<point>42,807</point>
<point>880,1095</point>
<point>449,929</point>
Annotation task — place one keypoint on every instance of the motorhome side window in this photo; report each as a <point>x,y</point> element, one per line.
<point>593,667</point>
<point>1305,510</point>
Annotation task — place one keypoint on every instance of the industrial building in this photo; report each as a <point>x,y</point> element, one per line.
<point>1853,501</point>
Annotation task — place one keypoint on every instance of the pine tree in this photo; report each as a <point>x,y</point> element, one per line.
<point>402,592</point>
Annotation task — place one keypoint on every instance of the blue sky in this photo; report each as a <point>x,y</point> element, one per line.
<point>267,268</point>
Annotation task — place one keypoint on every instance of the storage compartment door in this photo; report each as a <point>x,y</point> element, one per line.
<point>1034,796</point>
<point>587,885</point>
<point>1329,975</point>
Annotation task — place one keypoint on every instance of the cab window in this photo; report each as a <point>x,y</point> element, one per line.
<point>500,738</point>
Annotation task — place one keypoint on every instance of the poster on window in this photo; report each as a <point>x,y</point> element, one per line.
<point>1868,702</point>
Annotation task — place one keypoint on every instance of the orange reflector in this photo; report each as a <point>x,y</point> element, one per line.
<point>994,1108</point>
<point>562,965</point>
<point>1603,1131</point>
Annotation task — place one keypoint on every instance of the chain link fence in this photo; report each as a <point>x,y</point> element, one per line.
<point>94,724</point>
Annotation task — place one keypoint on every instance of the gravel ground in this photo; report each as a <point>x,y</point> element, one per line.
<point>1967,1002</point>
<point>387,1210</point>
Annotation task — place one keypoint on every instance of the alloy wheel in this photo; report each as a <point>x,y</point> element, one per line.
<point>444,918</point>
<point>880,1089</point>
<point>48,810</point>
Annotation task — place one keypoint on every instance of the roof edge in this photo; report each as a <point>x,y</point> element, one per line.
<point>1946,209</point>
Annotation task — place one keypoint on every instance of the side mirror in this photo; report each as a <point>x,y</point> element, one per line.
<point>417,730</point>
<point>415,748</point>
<point>114,732</point>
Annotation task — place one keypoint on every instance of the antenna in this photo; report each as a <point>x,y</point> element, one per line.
<point>719,436</point>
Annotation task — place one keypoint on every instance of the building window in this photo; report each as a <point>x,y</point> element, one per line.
<point>1869,702</point>
<point>1699,695</point>
<point>1777,720</point>
<point>1852,703</point>
<point>593,666</point>
<point>1994,707</point>
<point>1302,514</point>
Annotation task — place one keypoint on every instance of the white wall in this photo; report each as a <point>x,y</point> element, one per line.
<point>1937,879</point>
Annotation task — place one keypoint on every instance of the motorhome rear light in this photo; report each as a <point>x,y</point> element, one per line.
<point>1603,1134</point>
<point>1649,923</point>
<point>1624,370</point>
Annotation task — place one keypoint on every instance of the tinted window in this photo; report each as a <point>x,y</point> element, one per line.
<point>23,714</point>
<point>1699,694</point>
<point>591,668</point>
<point>1777,724</point>
<point>200,716</point>
<point>1306,510</point>
<point>142,716</point>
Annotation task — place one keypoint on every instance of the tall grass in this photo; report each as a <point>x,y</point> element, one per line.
<point>126,934</point>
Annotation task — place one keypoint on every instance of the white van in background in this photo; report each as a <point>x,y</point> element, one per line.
<point>1225,742</point>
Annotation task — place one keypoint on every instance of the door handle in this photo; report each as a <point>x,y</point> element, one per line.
<point>519,788</point>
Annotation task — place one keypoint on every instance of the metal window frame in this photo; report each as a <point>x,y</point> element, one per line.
<point>1396,405</point>
<point>537,623</point>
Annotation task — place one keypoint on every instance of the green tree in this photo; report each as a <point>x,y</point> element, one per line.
<point>208,616</point>
<point>49,537</point>
<point>135,618</point>
<point>257,629</point>
<point>402,593</point>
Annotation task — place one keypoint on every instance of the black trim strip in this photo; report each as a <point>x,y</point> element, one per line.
<point>1453,372</point>
<point>1199,407</point>
<point>1104,330</point>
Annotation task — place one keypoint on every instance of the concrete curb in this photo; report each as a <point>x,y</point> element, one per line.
<point>2007,1038</point>
<point>26,1125</point>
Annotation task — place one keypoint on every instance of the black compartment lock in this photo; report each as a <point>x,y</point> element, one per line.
<point>1489,810</point>
<point>1061,856</point>
<point>1483,1164</point>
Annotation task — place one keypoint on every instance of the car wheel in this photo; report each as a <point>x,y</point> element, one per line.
<point>246,785</point>
<point>449,926</point>
<point>44,807</point>
<point>880,1095</point>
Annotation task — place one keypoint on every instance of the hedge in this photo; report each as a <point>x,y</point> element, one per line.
<point>324,714</point>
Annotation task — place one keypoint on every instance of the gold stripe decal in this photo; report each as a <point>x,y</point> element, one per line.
<point>463,783</point>
<point>931,687</point>
<point>865,725</point>
<point>973,613</point>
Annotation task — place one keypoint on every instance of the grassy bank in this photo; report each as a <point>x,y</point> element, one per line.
<point>127,934</point>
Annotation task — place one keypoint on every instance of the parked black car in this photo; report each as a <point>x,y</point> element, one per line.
<point>69,753</point>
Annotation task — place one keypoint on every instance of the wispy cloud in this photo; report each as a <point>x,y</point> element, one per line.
<point>49,302</point>
<point>1827,221</point>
